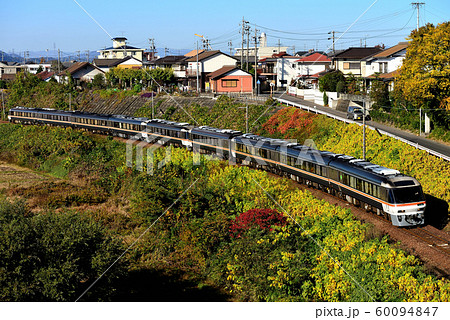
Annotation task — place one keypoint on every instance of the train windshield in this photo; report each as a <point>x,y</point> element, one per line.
<point>407,195</point>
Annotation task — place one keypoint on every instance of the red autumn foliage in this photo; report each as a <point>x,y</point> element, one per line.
<point>262,218</point>
<point>289,121</point>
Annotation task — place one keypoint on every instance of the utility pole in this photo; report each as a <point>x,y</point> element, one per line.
<point>79,55</point>
<point>256,60</point>
<point>247,30</point>
<point>59,61</point>
<point>279,46</point>
<point>153,109</point>
<point>246,115</point>
<point>230,45</point>
<point>197,68</point>
<point>26,54</point>
<point>242,42</point>
<point>87,55</point>
<point>364,129</point>
<point>3,106</point>
<point>152,47</point>
<point>332,38</point>
<point>420,122</point>
<point>166,51</point>
<point>417,5</point>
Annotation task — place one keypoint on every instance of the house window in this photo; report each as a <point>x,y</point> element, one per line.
<point>229,83</point>
<point>351,65</point>
<point>383,67</point>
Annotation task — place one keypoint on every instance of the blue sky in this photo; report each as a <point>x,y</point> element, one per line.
<point>38,25</point>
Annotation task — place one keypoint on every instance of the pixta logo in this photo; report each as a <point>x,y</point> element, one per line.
<point>151,143</point>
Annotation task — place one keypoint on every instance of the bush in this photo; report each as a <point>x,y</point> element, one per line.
<point>263,219</point>
<point>329,81</point>
<point>53,257</point>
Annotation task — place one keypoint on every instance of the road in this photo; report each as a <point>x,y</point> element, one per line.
<point>412,139</point>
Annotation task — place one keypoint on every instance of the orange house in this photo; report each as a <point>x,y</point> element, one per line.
<point>230,79</point>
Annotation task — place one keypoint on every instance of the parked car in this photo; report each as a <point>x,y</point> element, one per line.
<point>356,113</point>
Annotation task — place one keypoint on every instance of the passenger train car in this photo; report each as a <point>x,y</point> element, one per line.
<point>378,189</point>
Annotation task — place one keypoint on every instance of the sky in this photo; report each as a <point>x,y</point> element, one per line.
<point>30,25</point>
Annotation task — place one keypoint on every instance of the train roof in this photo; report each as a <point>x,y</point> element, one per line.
<point>40,110</point>
<point>215,132</point>
<point>167,124</point>
<point>364,168</point>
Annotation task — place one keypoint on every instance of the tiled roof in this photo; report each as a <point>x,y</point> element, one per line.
<point>207,54</point>
<point>357,53</point>
<point>193,53</point>
<point>315,57</point>
<point>221,72</point>
<point>391,51</point>
<point>45,75</point>
<point>107,63</point>
<point>385,76</point>
<point>169,60</point>
<point>121,48</point>
<point>78,66</point>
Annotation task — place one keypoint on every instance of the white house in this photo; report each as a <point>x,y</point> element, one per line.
<point>286,70</point>
<point>81,72</point>
<point>126,63</point>
<point>120,50</point>
<point>34,67</point>
<point>386,61</point>
<point>309,67</point>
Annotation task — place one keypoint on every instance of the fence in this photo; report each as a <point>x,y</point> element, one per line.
<point>336,117</point>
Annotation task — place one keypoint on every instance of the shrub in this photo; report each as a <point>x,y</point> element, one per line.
<point>259,218</point>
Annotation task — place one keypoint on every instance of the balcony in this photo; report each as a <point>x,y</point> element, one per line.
<point>192,73</point>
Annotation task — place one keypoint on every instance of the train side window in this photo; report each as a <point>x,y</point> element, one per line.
<point>359,184</point>
<point>345,179</point>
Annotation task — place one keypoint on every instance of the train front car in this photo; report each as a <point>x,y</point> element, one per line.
<point>379,189</point>
<point>407,204</point>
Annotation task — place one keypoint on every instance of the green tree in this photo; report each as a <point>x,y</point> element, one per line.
<point>354,85</point>
<point>424,80</point>
<point>329,81</point>
<point>379,94</point>
<point>99,81</point>
<point>53,256</point>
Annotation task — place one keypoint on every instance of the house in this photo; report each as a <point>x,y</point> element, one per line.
<point>176,63</point>
<point>45,75</point>
<point>385,65</point>
<point>310,67</point>
<point>8,70</point>
<point>81,72</point>
<point>208,61</point>
<point>352,60</point>
<point>386,61</point>
<point>286,69</point>
<point>193,53</point>
<point>230,79</point>
<point>126,63</point>
<point>120,50</point>
<point>32,67</point>
<point>385,77</point>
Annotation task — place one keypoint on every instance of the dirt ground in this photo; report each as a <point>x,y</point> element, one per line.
<point>12,176</point>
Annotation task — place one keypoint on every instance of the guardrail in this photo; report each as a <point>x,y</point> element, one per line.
<point>411,143</point>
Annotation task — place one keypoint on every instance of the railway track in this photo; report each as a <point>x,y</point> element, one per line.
<point>433,240</point>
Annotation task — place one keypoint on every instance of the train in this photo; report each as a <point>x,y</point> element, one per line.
<point>377,189</point>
